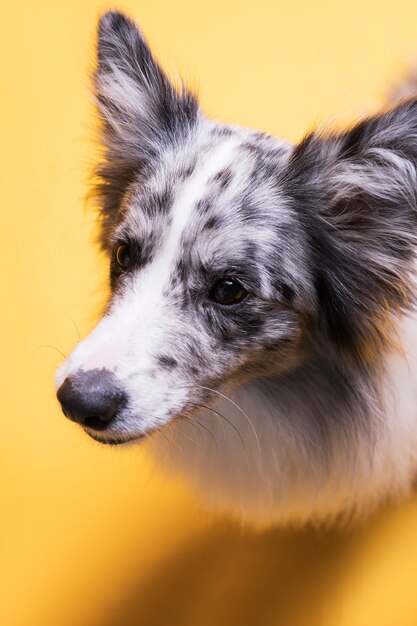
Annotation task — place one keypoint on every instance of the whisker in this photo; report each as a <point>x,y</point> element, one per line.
<point>208,408</point>
<point>206,429</point>
<point>193,424</point>
<point>204,406</point>
<point>200,445</point>
<point>46,345</point>
<point>171,441</point>
<point>74,324</point>
<point>239,409</point>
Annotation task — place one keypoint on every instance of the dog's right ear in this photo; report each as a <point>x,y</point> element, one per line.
<point>141,111</point>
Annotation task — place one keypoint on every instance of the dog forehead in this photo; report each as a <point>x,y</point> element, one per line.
<point>217,163</point>
<point>217,190</point>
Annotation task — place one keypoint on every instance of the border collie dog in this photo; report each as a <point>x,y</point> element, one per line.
<point>261,328</point>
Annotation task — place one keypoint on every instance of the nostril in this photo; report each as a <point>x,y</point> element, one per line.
<point>92,398</point>
<point>96,422</point>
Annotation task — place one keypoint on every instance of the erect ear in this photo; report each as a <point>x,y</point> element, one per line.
<point>357,195</point>
<point>142,112</point>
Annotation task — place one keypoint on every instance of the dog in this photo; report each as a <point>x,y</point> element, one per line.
<point>261,329</point>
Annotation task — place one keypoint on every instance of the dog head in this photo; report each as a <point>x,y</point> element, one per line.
<point>233,255</point>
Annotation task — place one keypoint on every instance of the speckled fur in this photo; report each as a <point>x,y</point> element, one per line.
<point>296,394</point>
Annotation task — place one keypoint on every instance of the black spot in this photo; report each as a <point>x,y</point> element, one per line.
<point>164,200</point>
<point>167,362</point>
<point>157,202</point>
<point>287,292</point>
<point>187,171</point>
<point>223,178</point>
<point>253,148</point>
<point>204,206</point>
<point>221,131</point>
<point>212,222</point>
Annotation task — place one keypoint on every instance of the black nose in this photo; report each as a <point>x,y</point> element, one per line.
<point>92,398</point>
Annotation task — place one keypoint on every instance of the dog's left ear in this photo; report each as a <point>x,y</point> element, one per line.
<point>357,195</point>
<point>142,112</point>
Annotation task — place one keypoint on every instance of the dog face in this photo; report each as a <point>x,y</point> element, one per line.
<point>233,254</point>
<point>208,271</point>
<point>201,297</point>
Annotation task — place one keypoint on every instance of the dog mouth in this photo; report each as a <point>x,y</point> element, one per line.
<point>113,441</point>
<point>126,439</point>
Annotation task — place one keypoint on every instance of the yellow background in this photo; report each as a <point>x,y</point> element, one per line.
<point>92,536</point>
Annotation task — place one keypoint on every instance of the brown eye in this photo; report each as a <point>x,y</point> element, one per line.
<point>123,256</point>
<point>228,291</point>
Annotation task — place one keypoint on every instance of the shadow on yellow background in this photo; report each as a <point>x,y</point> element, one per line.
<point>92,536</point>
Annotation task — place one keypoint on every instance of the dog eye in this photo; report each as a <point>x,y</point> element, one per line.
<point>123,256</point>
<point>228,291</point>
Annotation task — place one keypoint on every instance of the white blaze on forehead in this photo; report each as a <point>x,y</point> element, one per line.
<point>147,293</point>
<point>193,190</point>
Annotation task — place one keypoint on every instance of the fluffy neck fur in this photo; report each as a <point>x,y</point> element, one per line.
<point>308,445</point>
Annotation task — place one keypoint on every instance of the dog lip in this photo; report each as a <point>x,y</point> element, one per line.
<point>113,441</point>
